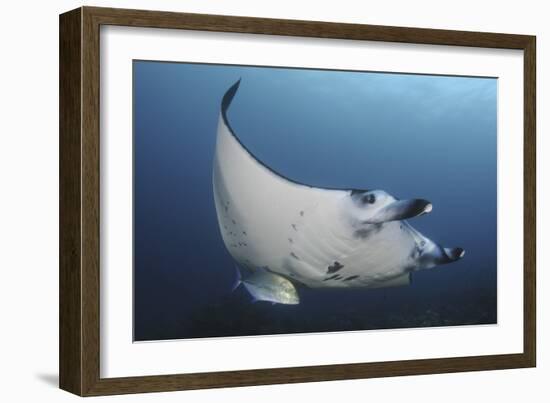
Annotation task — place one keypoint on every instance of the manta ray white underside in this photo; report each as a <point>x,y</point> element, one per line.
<point>315,237</point>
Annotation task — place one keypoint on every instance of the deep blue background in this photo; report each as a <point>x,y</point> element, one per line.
<point>431,137</point>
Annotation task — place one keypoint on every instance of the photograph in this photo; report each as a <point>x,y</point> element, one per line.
<point>251,198</point>
<point>272,200</point>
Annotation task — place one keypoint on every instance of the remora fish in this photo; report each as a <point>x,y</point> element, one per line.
<point>266,286</point>
<point>313,236</point>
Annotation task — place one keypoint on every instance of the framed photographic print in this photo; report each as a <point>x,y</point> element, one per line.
<point>250,201</point>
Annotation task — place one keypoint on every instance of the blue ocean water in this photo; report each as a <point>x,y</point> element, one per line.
<point>414,136</point>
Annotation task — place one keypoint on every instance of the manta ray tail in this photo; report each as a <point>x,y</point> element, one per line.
<point>238,279</point>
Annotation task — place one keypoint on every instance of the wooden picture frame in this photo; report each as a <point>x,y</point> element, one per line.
<point>79,201</point>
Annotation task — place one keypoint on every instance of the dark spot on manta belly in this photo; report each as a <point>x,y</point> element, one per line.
<point>333,277</point>
<point>333,268</point>
<point>233,221</point>
<point>350,278</point>
<point>302,213</point>
<point>294,226</point>
<point>366,232</point>
<point>290,240</point>
<point>294,255</point>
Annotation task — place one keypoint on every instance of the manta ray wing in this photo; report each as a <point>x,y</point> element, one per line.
<point>256,207</point>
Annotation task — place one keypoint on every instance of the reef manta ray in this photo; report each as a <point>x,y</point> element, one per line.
<point>312,236</point>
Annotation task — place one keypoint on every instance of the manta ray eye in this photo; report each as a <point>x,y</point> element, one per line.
<point>370,198</point>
